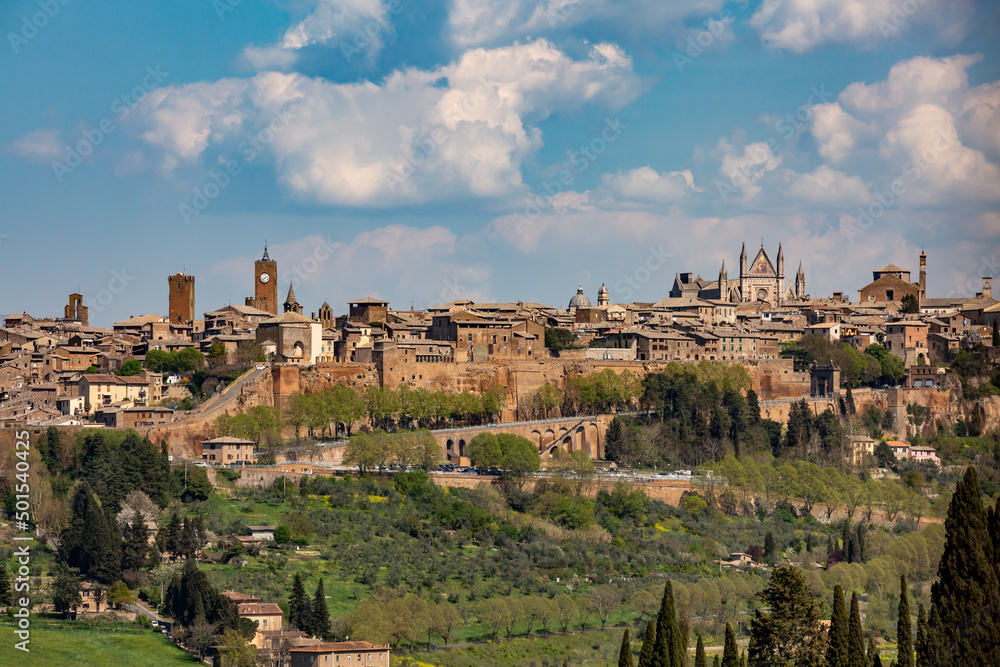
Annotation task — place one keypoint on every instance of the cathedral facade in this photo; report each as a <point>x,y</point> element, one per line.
<point>761,281</point>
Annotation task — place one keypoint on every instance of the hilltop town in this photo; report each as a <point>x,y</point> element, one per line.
<point>139,373</point>
<point>266,487</point>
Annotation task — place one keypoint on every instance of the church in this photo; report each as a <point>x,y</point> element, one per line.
<point>761,281</point>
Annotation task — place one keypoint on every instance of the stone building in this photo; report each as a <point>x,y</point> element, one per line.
<point>291,338</point>
<point>75,311</point>
<point>265,285</point>
<point>341,654</point>
<point>227,450</point>
<point>181,303</point>
<point>891,283</point>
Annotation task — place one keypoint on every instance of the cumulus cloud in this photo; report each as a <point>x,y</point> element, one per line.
<point>358,25</point>
<point>803,25</point>
<point>479,22</point>
<point>824,185</point>
<point>645,184</point>
<point>43,145</point>
<point>461,129</point>
<point>742,169</point>
<point>923,126</point>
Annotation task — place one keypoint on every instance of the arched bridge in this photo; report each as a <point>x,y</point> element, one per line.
<point>568,434</point>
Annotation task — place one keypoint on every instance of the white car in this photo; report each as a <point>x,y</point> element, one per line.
<point>261,367</point>
<point>201,464</point>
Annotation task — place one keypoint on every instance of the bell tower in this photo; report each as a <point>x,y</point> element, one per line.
<point>265,285</point>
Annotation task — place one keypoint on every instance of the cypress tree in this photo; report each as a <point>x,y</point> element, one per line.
<point>904,631</point>
<point>715,661</point>
<point>625,652</point>
<point>920,644</point>
<point>667,651</point>
<point>861,541</point>
<point>830,547</point>
<point>4,586</point>
<point>298,604</point>
<point>837,651</point>
<point>699,653</point>
<point>873,658</point>
<point>769,544</point>
<point>810,542</point>
<point>743,659</point>
<point>855,638</point>
<point>730,654</point>
<point>319,621</point>
<point>962,629</point>
<point>646,652</point>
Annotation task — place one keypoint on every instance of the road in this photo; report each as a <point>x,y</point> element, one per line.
<point>233,390</point>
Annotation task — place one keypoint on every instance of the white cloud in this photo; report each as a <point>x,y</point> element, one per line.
<point>743,169</point>
<point>802,25</point>
<point>42,145</point>
<point>645,184</point>
<point>479,22</point>
<point>824,185</point>
<point>923,127</point>
<point>359,26</point>
<point>462,129</point>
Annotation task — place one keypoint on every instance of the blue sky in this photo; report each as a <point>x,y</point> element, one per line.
<point>487,149</point>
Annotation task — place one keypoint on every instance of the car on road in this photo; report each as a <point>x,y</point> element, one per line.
<point>261,367</point>
<point>201,464</point>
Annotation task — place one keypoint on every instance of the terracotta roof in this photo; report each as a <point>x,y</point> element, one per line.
<point>327,647</point>
<point>258,609</point>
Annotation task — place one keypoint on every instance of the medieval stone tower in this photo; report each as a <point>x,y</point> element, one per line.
<point>181,298</point>
<point>265,285</point>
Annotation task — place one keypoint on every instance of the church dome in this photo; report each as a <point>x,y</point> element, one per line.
<point>580,300</point>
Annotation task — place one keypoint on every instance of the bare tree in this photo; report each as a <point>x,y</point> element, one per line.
<point>605,600</point>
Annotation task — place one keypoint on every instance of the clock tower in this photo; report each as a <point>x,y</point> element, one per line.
<point>265,285</point>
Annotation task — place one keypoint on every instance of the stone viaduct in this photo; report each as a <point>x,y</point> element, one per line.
<point>568,434</point>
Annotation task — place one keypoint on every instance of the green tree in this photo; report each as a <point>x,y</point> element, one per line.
<point>136,551</point>
<point>730,654</point>
<point>130,367</point>
<point>557,339</point>
<point>625,652</point>
<point>962,627</point>
<point>667,650</point>
<point>5,587</point>
<point>920,644</point>
<point>319,620</point>
<point>648,642</point>
<point>120,594</point>
<point>217,355</point>
<point>769,544</point>
<point>904,629</point>
<point>66,589</point>
<point>699,653</point>
<point>91,541</point>
<point>855,638</point>
<point>837,651</point>
<point>910,305</point>
<point>484,450</point>
<point>299,610</point>
<point>789,632</point>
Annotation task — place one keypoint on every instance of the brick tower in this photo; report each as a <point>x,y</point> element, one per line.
<point>181,298</point>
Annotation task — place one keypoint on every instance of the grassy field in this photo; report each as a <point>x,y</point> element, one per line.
<point>89,644</point>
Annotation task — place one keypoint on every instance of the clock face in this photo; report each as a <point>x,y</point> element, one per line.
<point>265,278</point>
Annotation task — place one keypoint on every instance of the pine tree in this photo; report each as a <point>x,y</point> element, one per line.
<point>873,657</point>
<point>743,659</point>
<point>298,604</point>
<point>904,629</point>
<point>320,619</point>
<point>920,644</point>
<point>625,652</point>
<point>646,652</point>
<point>855,637</point>
<point>699,653</point>
<point>730,654</point>
<point>789,633</point>
<point>962,628</point>
<point>836,653</point>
